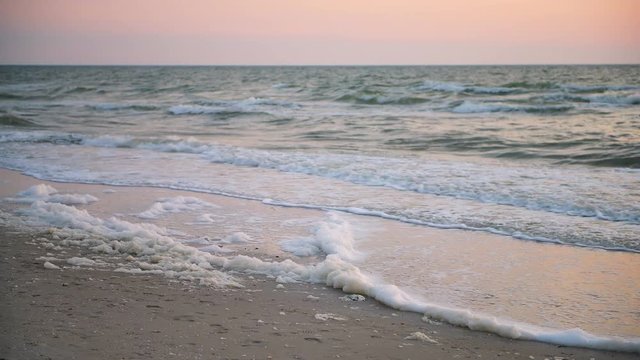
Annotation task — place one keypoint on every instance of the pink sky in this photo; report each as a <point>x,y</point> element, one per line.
<point>319,31</point>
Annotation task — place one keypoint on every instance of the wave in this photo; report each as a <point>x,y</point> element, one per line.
<point>500,185</point>
<point>382,100</point>
<point>10,96</point>
<point>468,107</point>
<point>460,88</point>
<point>615,100</point>
<point>256,101</point>
<point>625,158</point>
<point>250,105</point>
<point>194,110</point>
<point>598,88</point>
<point>516,87</point>
<point>122,106</point>
<point>543,85</point>
<point>618,99</point>
<point>14,120</point>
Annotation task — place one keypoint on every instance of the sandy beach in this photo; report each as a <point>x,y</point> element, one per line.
<point>70,310</point>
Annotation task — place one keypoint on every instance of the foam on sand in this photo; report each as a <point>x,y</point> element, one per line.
<point>238,238</point>
<point>333,236</point>
<point>152,250</point>
<point>421,337</point>
<point>174,205</point>
<point>48,193</point>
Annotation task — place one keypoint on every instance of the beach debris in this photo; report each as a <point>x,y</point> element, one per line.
<point>50,266</point>
<point>353,297</point>
<point>279,286</point>
<point>311,297</point>
<point>421,337</point>
<point>329,316</point>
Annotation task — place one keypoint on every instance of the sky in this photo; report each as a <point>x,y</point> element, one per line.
<point>319,32</point>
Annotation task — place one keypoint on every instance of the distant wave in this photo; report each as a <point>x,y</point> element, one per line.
<point>10,96</point>
<point>194,110</point>
<point>429,85</point>
<point>468,107</point>
<point>517,87</point>
<point>382,100</point>
<point>618,99</point>
<point>14,120</point>
<point>123,106</point>
<point>615,100</point>
<point>598,88</point>
<point>250,105</point>
<point>572,88</point>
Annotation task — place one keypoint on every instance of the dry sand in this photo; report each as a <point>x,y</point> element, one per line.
<point>96,313</point>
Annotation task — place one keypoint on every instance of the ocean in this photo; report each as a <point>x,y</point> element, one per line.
<point>537,166</point>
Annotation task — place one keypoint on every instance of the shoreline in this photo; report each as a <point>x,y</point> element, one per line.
<point>260,320</point>
<point>78,313</point>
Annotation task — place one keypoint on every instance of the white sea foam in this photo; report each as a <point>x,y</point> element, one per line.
<point>238,238</point>
<point>174,205</point>
<point>215,249</point>
<point>333,236</point>
<point>38,191</point>
<point>43,192</point>
<point>150,244</point>
<point>421,337</point>
<point>72,199</point>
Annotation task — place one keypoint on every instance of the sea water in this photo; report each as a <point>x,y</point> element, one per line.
<point>538,167</point>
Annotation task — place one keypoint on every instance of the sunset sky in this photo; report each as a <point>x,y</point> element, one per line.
<point>319,31</point>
